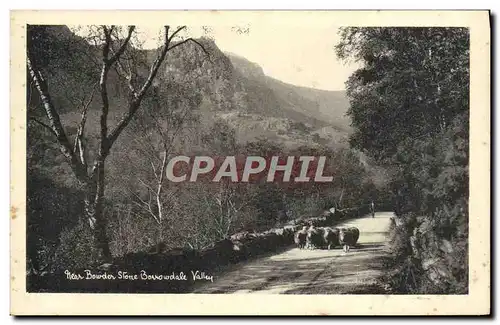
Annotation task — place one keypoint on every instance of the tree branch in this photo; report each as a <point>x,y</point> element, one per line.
<point>146,206</point>
<point>79,135</point>
<point>34,119</point>
<point>159,129</point>
<point>122,48</point>
<point>150,189</point>
<point>104,145</point>
<point>55,121</point>
<point>156,65</point>
<point>119,66</point>
<point>127,77</point>
<point>154,169</point>
<point>160,181</point>
<point>175,33</point>
<point>81,150</point>
<point>134,104</point>
<point>194,41</point>
<point>107,43</point>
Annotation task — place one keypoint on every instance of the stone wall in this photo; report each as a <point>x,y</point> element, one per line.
<point>238,247</point>
<point>435,260</point>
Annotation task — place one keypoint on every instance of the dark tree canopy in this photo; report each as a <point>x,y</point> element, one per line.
<point>409,105</point>
<point>413,83</point>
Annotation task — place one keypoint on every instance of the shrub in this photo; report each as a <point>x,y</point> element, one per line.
<point>75,249</point>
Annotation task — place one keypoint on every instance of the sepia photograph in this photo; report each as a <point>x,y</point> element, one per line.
<point>236,158</point>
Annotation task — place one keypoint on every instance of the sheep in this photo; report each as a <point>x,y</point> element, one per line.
<point>315,237</point>
<point>301,237</point>
<point>355,231</point>
<point>322,237</point>
<point>331,237</point>
<point>348,237</point>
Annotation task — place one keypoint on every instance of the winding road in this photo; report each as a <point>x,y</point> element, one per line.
<point>295,271</point>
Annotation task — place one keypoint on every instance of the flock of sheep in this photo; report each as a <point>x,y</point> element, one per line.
<point>326,237</point>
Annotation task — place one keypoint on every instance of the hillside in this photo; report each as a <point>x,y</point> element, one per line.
<point>324,105</point>
<point>230,87</point>
<point>329,106</point>
<point>219,87</point>
<point>319,114</point>
<point>198,105</point>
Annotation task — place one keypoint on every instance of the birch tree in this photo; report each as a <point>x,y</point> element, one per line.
<point>90,174</point>
<point>157,144</point>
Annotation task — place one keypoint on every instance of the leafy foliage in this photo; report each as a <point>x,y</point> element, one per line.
<point>413,83</point>
<point>410,111</point>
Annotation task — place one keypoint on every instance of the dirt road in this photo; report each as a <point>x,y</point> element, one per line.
<point>295,271</point>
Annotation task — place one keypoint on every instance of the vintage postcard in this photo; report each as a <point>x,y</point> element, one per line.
<point>250,163</point>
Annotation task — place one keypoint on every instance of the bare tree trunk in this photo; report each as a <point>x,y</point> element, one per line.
<point>160,186</point>
<point>159,194</point>
<point>94,182</point>
<point>340,198</point>
<point>94,204</point>
<point>93,213</point>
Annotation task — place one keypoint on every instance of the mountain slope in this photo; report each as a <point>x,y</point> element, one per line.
<point>321,110</point>
<point>226,86</point>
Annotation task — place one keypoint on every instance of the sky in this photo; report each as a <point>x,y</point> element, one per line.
<point>298,54</point>
<point>293,54</point>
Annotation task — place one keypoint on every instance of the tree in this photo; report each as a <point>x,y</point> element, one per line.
<point>412,83</point>
<point>171,116</point>
<point>410,111</point>
<point>90,175</point>
<point>226,202</point>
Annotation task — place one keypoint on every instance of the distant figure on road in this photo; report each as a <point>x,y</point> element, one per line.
<point>372,209</point>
